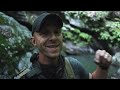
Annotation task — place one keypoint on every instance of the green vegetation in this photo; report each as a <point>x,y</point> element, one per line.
<point>101,26</point>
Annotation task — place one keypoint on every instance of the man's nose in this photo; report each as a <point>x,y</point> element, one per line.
<point>53,36</point>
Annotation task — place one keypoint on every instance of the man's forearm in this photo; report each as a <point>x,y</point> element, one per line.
<point>100,74</point>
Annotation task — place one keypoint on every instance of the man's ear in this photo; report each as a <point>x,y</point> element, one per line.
<point>33,41</point>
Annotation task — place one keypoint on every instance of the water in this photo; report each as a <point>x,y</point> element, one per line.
<point>87,60</point>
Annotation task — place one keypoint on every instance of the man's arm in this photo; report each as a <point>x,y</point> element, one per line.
<point>103,60</point>
<point>100,74</point>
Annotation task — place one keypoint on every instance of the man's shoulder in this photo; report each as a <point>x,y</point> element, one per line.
<point>76,65</point>
<point>78,68</point>
<point>73,61</point>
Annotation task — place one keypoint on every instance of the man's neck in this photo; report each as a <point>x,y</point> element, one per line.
<point>46,60</point>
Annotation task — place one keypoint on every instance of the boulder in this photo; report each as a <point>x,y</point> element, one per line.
<point>116,60</point>
<point>14,42</point>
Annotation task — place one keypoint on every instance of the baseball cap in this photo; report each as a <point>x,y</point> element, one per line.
<point>42,20</point>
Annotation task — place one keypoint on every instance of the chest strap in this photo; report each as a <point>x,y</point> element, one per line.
<point>69,70</point>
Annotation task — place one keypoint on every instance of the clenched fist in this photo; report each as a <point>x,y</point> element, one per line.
<point>103,59</point>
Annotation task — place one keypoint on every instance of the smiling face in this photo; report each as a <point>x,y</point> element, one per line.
<point>48,41</point>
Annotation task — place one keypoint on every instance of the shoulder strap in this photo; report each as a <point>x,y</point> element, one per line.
<point>33,72</point>
<point>22,73</point>
<point>28,73</point>
<point>69,70</point>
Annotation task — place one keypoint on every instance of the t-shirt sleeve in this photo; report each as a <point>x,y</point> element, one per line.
<point>79,69</point>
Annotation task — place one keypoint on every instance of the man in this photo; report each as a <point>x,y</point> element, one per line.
<point>49,63</point>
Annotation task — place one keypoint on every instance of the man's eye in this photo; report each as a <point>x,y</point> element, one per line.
<point>58,32</point>
<point>43,33</point>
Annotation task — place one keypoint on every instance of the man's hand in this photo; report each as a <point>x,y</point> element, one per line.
<point>103,59</point>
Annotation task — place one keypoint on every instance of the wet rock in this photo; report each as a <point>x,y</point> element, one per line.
<point>25,61</point>
<point>72,49</point>
<point>116,60</point>
<point>14,42</point>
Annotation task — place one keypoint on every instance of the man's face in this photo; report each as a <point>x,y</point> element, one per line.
<point>49,41</point>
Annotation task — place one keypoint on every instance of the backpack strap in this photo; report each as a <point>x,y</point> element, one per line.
<point>22,73</point>
<point>69,70</point>
<point>35,71</point>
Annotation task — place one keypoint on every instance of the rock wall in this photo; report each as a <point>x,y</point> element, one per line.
<point>14,42</point>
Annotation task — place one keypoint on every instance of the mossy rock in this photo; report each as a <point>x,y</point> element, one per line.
<point>14,42</point>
